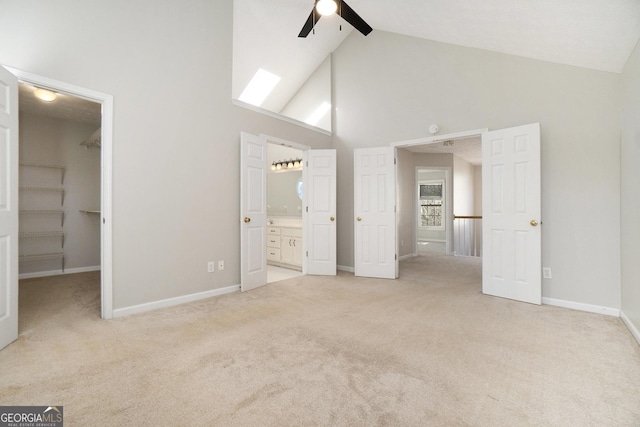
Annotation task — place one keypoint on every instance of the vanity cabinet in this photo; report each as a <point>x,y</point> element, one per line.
<point>284,246</point>
<point>273,244</point>
<point>291,246</point>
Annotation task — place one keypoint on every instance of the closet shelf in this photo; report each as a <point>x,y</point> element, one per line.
<point>41,188</point>
<point>51,255</point>
<point>43,211</point>
<point>37,181</point>
<point>26,234</point>
<point>90,211</point>
<point>42,165</point>
<point>94,141</point>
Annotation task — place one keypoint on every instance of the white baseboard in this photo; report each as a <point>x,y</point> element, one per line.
<point>582,307</point>
<point>58,272</point>
<point>403,257</point>
<point>140,308</point>
<point>634,331</point>
<point>345,268</point>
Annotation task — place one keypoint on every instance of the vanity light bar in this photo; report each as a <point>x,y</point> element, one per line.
<point>287,164</point>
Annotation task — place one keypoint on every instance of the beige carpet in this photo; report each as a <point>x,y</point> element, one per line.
<point>425,350</point>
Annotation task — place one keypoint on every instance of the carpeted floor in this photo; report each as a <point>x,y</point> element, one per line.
<point>425,350</point>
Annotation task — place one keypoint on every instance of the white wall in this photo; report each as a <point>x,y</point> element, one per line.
<point>176,132</point>
<point>467,239</point>
<point>55,141</point>
<point>630,209</point>
<point>390,87</point>
<point>477,190</point>
<point>463,185</point>
<point>314,91</point>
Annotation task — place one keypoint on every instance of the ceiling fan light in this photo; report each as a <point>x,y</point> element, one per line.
<point>45,95</point>
<point>326,7</point>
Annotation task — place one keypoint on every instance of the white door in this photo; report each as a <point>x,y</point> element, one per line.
<point>511,232</point>
<point>374,212</point>
<point>8,208</point>
<point>253,211</point>
<point>320,223</point>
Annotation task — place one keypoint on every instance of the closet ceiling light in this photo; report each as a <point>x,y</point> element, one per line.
<point>45,95</point>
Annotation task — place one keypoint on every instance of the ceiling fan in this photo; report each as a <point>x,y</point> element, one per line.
<point>329,7</point>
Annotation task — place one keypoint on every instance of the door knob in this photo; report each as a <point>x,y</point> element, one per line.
<point>359,219</point>
<point>533,223</point>
<point>332,219</point>
<point>247,219</point>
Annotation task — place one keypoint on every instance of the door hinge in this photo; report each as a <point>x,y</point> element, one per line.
<point>395,161</point>
<point>396,257</point>
<point>307,254</point>
<point>307,208</point>
<point>307,163</point>
<point>395,209</point>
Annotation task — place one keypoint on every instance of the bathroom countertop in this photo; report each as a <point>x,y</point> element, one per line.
<point>285,222</point>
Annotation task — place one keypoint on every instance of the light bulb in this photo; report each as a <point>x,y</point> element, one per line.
<point>273,166</point>
<point>290,164</point>
<point>296,164</point>
<point>45,95</point>
<point>279,166</point>
<point>326,7</point>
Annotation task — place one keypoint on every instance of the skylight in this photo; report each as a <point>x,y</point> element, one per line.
<point>318,114</point>
<point>259,87</point>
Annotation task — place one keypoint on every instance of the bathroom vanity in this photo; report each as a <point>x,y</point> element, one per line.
<point>284,246</point>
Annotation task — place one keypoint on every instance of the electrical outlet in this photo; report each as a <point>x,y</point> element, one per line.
<point>546,272</point>
<point>211,266</point>
<point>220,265</point>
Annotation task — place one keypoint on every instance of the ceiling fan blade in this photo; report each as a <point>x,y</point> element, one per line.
<point>311,21</point>
<point>353,18</point>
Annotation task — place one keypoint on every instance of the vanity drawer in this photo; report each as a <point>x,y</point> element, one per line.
<point>273,231</point>
<point>273,254</point>
<point>273,241</point>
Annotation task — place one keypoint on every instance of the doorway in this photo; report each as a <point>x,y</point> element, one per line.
<point>432,211</point>
<point>511,238</point>
<point>435,182</point>
<point>102,212</point>
<point>285,226</point>
<point>318,236</point>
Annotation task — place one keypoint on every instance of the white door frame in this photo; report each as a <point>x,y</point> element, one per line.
<point>106,171</point>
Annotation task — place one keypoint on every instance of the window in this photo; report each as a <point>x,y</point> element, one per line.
<point>431,197</point>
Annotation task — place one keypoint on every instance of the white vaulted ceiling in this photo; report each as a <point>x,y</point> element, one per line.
<point>594,34</point>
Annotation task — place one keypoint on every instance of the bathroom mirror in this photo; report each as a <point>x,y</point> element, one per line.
<point>282,194</point>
